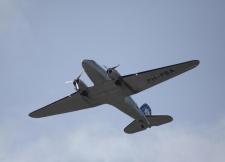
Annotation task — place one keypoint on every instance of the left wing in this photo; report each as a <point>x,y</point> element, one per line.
<point>146,79</point>
<point>70,103</point>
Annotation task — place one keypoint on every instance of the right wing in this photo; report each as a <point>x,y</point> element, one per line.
<point>70,103</point>
<point>146,79</point>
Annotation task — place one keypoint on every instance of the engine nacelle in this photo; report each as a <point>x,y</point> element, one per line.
<point>81,87</point>
<point>113,74</point>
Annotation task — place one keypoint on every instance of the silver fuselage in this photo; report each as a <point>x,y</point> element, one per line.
<point>116,96</point>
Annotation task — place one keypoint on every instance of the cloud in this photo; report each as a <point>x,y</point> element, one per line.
<point>100,142</point>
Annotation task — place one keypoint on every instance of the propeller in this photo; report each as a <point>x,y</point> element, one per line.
<point>109,70</point>
<point>68,81</point>
<point>75,81</point>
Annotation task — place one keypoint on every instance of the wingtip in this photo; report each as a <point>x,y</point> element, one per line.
<point>127,132</point>
<point>196,62</point>
<point>193,63</point>
<point>170,118</point>
<point>32,115</point>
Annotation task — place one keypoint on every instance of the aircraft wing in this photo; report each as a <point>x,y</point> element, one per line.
<point>70,103</point>
<point>146,79</point>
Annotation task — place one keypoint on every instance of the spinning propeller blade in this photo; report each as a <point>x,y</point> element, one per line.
<point>75,81</point>
<point>109,70</point>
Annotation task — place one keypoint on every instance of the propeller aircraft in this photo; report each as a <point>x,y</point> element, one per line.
<point>110,87</point>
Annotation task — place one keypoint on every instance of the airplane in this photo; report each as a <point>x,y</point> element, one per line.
<point>110,87</point>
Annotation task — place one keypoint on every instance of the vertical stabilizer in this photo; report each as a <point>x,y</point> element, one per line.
<point>145,108</point>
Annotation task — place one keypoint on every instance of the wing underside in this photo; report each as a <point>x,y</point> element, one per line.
<point>70,103</point>
<point>146,79</point>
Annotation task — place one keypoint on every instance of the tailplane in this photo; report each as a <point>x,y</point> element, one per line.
<point>153,120</point>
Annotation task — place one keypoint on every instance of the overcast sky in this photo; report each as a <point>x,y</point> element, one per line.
<point>42,44</point>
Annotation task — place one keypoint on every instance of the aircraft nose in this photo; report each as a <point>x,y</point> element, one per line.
<point>86,62</point>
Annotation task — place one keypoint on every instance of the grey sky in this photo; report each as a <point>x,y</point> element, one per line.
<point>42,44</point>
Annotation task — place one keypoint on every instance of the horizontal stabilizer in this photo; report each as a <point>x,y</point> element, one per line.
<point>135,126</point>
<point>154,120</point>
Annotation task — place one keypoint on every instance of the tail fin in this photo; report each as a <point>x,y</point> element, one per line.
<point>145,108</point>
